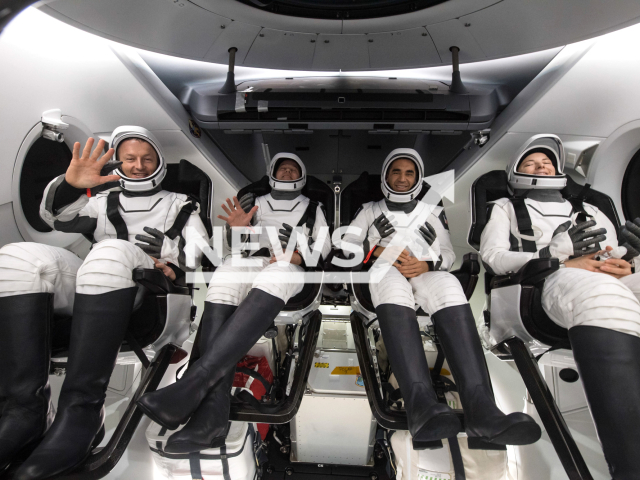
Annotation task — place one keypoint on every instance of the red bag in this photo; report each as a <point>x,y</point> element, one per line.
<point>259,365</point>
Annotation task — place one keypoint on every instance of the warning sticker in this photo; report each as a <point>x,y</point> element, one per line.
<point>321,365</point>
<point>428,475</point>
<point>346,371</point>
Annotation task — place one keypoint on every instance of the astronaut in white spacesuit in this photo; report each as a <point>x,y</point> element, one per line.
<point>419,233</point>
<point>129,225</point>
<point>595,299</point>
<point>242,302</point>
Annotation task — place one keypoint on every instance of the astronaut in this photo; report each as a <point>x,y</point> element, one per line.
<point>242,302</point>
<point>596,299</point>
<point>417,234</point>
<point>129,225</point>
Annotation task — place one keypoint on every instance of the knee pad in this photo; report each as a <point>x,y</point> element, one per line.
<point>437,290</point>
<point>392,288</point>
<point>109,266</point>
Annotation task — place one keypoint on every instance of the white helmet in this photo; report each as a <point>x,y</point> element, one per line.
<point>286,185</point>
<point>126,132</point>
<point>550,145</point>
<point>402,197</point>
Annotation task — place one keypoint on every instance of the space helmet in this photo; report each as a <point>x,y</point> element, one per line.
<point>550,145</point>
<point>286,185</point>
<point>402,197</point>
<point>126,132</point>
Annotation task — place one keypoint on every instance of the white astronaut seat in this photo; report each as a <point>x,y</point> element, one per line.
<point>159,325</point>
<point>517,323</point>
<point>363,318</point>
<point>301,320</point>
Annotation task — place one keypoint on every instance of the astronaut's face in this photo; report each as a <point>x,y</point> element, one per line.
<point>139,159</point>
<point>537,164</point>
<point>288,170</point>
<point>401,175</point>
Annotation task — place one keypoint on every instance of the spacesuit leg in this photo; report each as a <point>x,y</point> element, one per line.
<point>31,276</point>
<point>603,318</point>
<point>207,427</point>
<point>428,420</point>
<point>105,294</point>
<point>441,296</point>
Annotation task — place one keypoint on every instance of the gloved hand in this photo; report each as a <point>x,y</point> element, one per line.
<point>156,243</point>
<point>109,167</point>
<point>574,242</point>
<point>427,232</point>
<point>383,225</point>
<point>284,236</point>
<point>630,239</point>
<point>247,201</point>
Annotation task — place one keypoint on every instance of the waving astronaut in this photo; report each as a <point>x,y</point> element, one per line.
<point>417,234</point>
<point>241,303</point>
<point>596,299</point>
<point>127,225</point>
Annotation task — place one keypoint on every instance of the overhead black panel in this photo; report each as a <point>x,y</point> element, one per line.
<point>341,9</point>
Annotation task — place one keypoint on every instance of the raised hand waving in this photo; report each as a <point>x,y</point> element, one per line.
<point>84,171</point>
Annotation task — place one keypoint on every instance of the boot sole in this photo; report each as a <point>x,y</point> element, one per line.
<point>152,416</point>
<point>442,426</point>
<point>521,434</point>
<point>190,447</point>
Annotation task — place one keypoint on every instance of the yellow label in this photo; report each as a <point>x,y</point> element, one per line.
<point>346,371</point>
<point>321,365</point>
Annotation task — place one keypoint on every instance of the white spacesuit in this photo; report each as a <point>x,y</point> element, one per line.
<point>601,312</point>
<point>37,280</point>
<point>241,304</point>
<point>397,222</point>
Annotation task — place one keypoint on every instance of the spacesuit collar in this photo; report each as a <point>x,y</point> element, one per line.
<point>148,193</point>
<point>404,207</point>
<point>541,195</point>
<point>284,194</point>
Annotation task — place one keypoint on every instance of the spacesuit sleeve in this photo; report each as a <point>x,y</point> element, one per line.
<point>194,234</point>
<point>360,234</point>
<point>79,215</point>
<point>447,255</point>
<point>495,244</point>
<point>321,232</point>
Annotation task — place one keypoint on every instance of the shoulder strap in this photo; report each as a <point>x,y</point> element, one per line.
<point>113,214</point>
<point>182,218</point>
<point>577,203</point>
<point>524,224</point>
<point>309,216</point>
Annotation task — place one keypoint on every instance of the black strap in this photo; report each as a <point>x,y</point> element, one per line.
<point>456,457</point>
<point>524,224</point>
<point>577,202</point>
<point>309,216</point>
<point>256,376</point>
<point>135,346</point>
<point>225,462</point>
<point>194,465</point>
<point>113,214</point>
<point>182,218</point>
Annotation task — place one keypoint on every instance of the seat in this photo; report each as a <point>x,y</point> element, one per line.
<point>301,320</point>
<point>363,318</point>
<point>159,326</point>
<point>516,321</point>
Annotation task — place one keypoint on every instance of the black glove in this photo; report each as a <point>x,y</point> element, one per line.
<point>284,235</point>
<point>247,201</point>
<point>153,245</point>
<point>428,233</point>
<point>630,239</point>
<point>383,226</point>
<point>582,242</point>
<point>109,167</point>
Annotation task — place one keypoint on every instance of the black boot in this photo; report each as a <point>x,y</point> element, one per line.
<point>97,330</point>
<point>428,420</point>
<point>207,427</point>
<point>25,322</point>
<point>173,405</point>
<point>457,333</point>
<point>609,365</point>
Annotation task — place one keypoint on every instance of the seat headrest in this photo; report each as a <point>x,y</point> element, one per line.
<point>493,185</point>
<point>315,189</point>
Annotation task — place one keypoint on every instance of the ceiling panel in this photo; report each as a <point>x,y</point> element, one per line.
<point>236,34</point>
<point>405,49</point>
<point>278,49</point>
<point>344,52</point>
<point>454,33</point>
